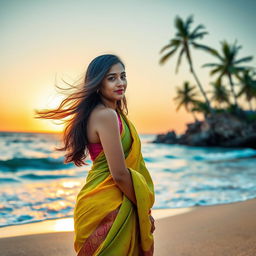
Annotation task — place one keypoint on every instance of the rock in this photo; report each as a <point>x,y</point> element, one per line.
<point>196,139</point>
<point>169,138</point>
<point>246,141</point>
<point>219,129</point>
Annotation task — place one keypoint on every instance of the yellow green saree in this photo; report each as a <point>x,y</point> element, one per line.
<point>106,222</point>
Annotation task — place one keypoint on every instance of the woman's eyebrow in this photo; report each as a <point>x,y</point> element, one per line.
<point>109,74</point>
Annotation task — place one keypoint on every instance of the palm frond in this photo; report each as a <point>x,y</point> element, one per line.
<point>179,24</point>
<point>226,49</point>
<point>245,59</point>
<point>205,48</point>
<point>167,56</point>
<point>199,35</point>
<point>179,106</point>
<point>210,65</point>
<point>165,48</point>
<point>179,59</point>
<point>173,42</point>
<point>188,22</point>
<point>194,32</point>
<point>216,70</point>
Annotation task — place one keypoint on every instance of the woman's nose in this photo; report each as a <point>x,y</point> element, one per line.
<point>120,81</point>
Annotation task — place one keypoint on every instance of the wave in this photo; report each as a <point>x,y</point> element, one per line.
<point>36,163</point>
<point>242,153</point>
<point>171,157</point>
<point>19,141</point>
<point>4,180</point>
<point>33,176</point>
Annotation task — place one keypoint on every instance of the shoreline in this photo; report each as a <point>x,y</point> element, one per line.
<point>223,229</point>
<point>66,224</point>
<point>57,225</point>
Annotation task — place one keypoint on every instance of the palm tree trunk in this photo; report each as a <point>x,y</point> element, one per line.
<point>196,120</point>
<point>250,104</point>
<point>200,87</point>
<point>190,111</point>
<point>232,88</point>
<point>196,78</point>
<point>202,90</point>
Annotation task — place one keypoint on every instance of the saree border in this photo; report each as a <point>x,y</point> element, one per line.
<point>92,243</point>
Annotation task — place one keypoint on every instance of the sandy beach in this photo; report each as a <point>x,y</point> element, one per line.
<point>225,230</point>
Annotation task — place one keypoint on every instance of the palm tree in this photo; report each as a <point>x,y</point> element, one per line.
<point>201,107</point>
<point>186,96</point>
<point>182,40</point>
<point>219,93</point>
<point>228,64</point>
<point>248,87</point>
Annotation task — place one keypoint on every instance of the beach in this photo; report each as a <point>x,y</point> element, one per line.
<point>184,143</point>
<point>225,230</point>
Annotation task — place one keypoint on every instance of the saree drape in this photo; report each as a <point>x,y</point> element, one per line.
<point>106,222</point>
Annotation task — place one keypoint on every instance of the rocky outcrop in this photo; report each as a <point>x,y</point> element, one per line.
<point>224,130</point>
<point>169,138</point>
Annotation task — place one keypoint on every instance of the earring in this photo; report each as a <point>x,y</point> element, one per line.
<point>97,90</point>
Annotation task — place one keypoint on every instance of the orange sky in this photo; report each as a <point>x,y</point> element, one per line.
<point>42,39</point>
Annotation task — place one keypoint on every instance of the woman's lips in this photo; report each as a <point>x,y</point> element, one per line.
<point>120,91</point>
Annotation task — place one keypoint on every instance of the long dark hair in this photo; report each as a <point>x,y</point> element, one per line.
<point>78,106</point>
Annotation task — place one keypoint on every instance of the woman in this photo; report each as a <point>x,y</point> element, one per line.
<point>112,211</point>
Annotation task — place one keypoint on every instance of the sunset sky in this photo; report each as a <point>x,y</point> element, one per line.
<point>44,40</point>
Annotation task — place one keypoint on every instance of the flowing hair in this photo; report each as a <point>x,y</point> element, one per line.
<point>78,106</point>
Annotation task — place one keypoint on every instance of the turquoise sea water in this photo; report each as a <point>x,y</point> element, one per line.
<point>35,184</point>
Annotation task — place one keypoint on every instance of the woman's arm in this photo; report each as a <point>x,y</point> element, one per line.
<point>108,130</point>
<point>126,185</point>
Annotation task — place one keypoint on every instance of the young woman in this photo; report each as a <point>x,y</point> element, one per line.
<point>112,211</point>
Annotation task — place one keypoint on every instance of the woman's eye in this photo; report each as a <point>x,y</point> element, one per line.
<point>113,78</point>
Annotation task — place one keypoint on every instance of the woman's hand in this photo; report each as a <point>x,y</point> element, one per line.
<point>152,224</point>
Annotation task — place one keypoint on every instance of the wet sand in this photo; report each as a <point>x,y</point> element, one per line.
<point>219,230</point>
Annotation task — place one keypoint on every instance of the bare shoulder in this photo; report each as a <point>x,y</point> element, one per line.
<point>106,119</point>
<point>103,115</point>
<point>100,118</point>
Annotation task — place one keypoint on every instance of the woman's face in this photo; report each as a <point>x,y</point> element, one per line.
<point>114,84</point>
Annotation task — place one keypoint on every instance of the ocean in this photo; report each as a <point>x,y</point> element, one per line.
<point>36,185</point>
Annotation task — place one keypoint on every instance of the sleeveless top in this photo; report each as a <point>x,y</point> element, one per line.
<point>95,148</point>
